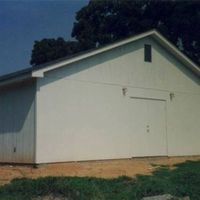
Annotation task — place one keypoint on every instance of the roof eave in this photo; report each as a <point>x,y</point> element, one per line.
<point>154,33</point>
<point>40,72</point>
<point>16,77</point>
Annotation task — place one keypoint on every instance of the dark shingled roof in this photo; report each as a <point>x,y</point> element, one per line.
<point>16,74</point>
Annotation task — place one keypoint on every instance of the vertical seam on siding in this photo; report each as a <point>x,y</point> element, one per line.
<point>166,126</point>
<point>35,124</point>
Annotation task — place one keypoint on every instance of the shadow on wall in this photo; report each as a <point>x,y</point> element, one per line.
<point>15,107</point>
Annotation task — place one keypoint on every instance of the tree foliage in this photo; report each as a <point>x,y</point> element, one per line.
<point>47,50</point>
<point>105,21</point>
<point>102,22</point>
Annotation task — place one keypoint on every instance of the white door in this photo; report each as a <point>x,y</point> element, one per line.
<point>148,124</point>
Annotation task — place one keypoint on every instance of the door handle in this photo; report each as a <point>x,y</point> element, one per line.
<point>148,128</point>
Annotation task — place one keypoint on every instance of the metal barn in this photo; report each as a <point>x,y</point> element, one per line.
<point>137,97</point>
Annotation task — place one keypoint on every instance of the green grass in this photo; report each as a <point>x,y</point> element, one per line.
<point>184,180</point>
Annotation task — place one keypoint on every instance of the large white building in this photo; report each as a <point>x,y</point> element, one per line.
<point>137,97</point>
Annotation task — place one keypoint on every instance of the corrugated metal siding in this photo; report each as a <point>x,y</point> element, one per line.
<point>17,123</point>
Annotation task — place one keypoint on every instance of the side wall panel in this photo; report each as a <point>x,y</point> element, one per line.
<point>17,123</point>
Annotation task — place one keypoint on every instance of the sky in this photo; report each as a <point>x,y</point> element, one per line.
<point>24,21</point>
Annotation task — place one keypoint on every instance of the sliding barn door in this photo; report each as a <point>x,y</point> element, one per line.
<point>148,124</point>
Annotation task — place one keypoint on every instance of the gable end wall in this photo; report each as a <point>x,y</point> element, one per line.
<point>81,107</point>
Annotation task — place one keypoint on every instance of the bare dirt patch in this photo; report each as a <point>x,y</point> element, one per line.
<point>102,169</point>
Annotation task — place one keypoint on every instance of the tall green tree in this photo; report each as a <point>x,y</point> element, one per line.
<point>47,50</point>
<point>104,21</point>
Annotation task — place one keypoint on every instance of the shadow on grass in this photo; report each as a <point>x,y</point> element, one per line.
<point>184,180</point>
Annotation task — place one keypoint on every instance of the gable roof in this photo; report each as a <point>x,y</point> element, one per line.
<point>39,70</point>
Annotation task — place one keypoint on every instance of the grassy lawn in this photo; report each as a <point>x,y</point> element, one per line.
<point>184,180</point>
